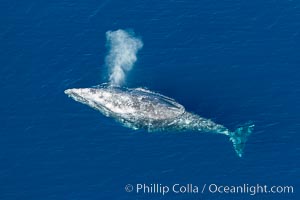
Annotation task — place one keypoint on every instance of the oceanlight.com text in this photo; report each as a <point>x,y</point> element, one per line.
<point>250,189</point>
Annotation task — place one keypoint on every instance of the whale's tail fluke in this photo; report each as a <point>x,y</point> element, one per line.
<point>240,136</point>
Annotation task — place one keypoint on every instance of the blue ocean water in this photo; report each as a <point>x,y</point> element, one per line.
<point>231,61</point>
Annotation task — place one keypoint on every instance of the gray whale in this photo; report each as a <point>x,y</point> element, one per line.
<point>138,108</point>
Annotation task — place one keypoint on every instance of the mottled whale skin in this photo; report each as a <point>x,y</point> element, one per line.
<point>138,108</point>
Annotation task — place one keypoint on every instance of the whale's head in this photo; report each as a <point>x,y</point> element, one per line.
<point>89,96</point>
<point>106,100</point>
<point>82,95</point>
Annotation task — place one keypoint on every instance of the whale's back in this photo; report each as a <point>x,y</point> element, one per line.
<point>154,105</point>
<point>137,104</point>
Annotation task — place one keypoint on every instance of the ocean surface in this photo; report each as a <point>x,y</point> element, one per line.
<point>230,61</point>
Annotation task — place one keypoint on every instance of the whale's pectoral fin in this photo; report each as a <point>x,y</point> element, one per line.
<point>240,136</point>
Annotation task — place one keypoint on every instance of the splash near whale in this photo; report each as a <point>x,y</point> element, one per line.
<point>139,108</point>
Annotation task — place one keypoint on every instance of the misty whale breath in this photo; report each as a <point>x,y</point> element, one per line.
<point>140,108</point>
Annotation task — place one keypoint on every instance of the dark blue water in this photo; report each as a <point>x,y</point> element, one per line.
<point>231,61</point>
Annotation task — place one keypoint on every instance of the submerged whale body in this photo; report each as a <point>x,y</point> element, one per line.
<point>140,108</point>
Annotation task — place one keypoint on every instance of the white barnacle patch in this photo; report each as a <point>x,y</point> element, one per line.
<point>188,121</point>
<point>106,95</point>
